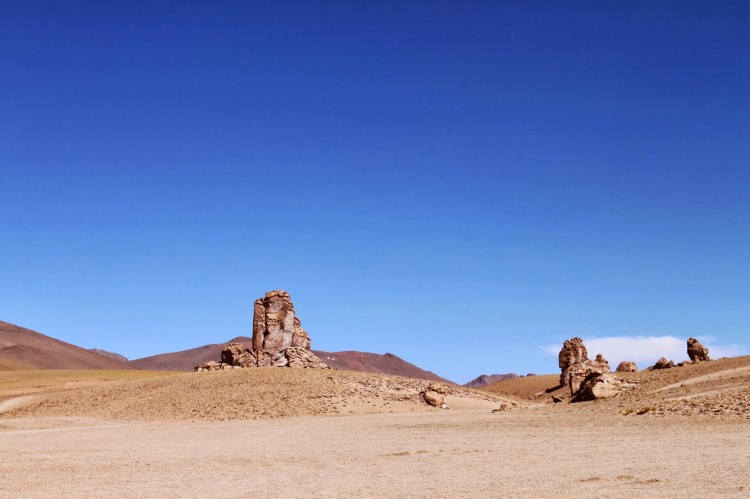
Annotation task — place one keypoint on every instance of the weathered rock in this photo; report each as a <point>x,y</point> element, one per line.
<point>575,364</point>
<point>601,363</point>
<point>278,338</point>
<point>434,395</point>
<point>662,363</point>
<point>696,351</point>
<point>597,386</point>
<point>627,366</point>
<point>572,352</point>
<point>211,366</point>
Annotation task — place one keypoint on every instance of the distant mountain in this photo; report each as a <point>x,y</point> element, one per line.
<point>19,345</point>
<point>376,363</point>
<point>486,379</point>
<point>186,360</point>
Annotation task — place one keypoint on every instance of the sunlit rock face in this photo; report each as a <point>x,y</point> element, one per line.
<point>278,339</point>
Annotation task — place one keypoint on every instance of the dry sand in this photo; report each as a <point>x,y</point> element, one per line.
<point>85,442</point>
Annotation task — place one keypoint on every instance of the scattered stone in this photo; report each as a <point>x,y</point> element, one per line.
<point>662,363</point>
<point>696,351</point>
<point>505,406</point>
<point>627,366</point>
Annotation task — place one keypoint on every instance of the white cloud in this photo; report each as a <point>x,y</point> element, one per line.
<point>646,350</point>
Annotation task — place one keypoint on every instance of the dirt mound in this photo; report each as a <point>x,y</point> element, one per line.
<point>249,394</point>
<point>29,347</point>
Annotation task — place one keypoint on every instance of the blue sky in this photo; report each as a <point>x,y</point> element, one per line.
<point>463,184</point>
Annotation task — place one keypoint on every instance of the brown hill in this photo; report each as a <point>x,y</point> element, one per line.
<point>486,379</point>
<point>376,363</point>
<point>185,360</point>
<point>111,355</point>
<point>21,345</point>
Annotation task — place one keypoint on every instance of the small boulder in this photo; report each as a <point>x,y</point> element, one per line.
<point>598,386</point>
<point>627,366</point>
<point>662,363</point>
<point>434,395</point>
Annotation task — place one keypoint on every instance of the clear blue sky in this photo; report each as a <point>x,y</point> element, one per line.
<point>463,184</point>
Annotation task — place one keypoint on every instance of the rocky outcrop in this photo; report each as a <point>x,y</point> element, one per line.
<point>573,352</point>
<point>696,351</point>
<point>278,339</point>
<point>662,363</point>
<point>597,386</point>
<point>627,366</point>
<point>576,365</point>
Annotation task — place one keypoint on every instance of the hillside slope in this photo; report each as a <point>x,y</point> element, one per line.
<point>185,360</point>
<point>388,363</point>
<point>376,363</point>
<point>21,345</point>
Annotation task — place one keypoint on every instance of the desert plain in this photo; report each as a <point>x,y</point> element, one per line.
<point>328,433</point>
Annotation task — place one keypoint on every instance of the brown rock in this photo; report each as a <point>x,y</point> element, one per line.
<point>627,366</point>
<point>209,366</point>
<point>575,364</point>
<point>278,338</point>
<point>662,363</point>
<point>572,352</point>
<point>696,351</point>
<point>434,395</point>
<point>597,386</point>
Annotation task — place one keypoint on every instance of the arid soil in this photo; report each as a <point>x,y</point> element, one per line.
<point>244,394</point>
<point>681,432</point>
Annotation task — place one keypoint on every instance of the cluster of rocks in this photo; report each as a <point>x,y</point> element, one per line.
<point>695,350</point>
<point>587,379</point>
<point>580,373</point>
<point>278,339</point>
<point>591,380</point>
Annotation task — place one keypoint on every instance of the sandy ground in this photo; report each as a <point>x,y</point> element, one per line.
<point>468,453</point>
<point>310,433</point>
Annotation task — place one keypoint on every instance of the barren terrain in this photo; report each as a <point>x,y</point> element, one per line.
<point>286,432</point>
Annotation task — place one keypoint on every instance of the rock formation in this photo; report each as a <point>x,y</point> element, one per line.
<point>627,366</point>
<point>597,386</point>
<point>572,352</point>
<point>696,351</point>
<point>278,339</point>
<point>662,363</point>
<point>434,395</point>
<point>576,365</point>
